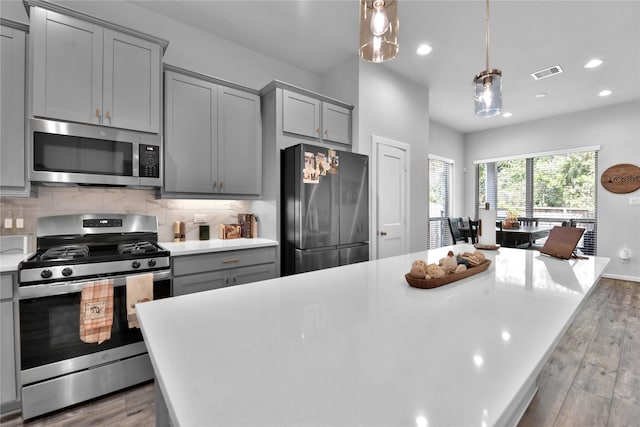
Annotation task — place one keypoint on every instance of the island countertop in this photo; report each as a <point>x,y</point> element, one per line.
<point>357,346</point>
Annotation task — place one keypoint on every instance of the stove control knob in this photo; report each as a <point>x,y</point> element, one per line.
<point>67,271</point>
<point>45,274</point>
<point>151,263</point>
<point>135,264</point>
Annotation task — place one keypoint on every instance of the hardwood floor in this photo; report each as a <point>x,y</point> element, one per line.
<point>128,408</point>
<point>593,376</point>
<point>591,379</point>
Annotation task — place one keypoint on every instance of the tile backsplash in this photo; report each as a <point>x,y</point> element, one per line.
<point>78,200</point>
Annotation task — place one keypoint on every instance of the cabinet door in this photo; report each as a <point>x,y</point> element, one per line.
<point>8,367</point>
<point>67,67</point>
<point>239,142</point>
<point>336,123</point>
<point>190,134</point>
<point>131,91</point>
<point>300,114</point>
<point>253,273</point>
<point>12,140</point>
<point>200,282</point>
<point>7,355</point>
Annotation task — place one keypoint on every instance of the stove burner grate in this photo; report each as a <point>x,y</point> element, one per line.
<point>136,248</point>
<point>66,252</point>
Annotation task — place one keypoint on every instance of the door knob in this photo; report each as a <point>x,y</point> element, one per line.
<point>383,233</point>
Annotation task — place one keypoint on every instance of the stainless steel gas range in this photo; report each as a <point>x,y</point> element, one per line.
<point>77,280</point>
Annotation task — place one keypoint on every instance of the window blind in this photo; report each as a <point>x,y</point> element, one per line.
<point>439,177</point>
<point>557,188</point>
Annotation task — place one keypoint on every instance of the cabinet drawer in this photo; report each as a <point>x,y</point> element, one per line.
<point>191,264</point>
<point>253,273</point>
<point>6,286</point>
<point>200,282</point>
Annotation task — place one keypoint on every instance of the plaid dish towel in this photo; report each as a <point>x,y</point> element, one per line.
<point>96,311</point>
<point>139,289</point>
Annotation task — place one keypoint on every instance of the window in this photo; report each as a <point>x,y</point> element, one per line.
<point>557,188</point>
<point>440,177</point>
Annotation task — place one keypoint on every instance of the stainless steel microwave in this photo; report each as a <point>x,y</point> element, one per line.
<point>70,153</point>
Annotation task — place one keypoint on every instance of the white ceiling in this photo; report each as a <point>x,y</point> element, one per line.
<point>526,36</point>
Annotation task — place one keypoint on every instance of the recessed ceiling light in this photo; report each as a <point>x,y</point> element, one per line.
<point>541,95</point>
<point>593,63</point>
<point>424,49</point>
<point>507,114</point>
<point>605,92</point>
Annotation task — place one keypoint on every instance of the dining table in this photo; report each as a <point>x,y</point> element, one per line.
<point>514,237</point>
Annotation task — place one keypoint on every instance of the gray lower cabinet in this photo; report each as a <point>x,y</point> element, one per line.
<point>9,395</point>
<point>203,272</point>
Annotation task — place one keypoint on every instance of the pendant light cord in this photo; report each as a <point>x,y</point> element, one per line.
<point>487,36</point>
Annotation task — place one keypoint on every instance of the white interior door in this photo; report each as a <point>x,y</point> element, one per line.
<point>392,201</point>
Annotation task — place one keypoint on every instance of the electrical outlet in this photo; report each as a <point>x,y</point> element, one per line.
<point>199,218</point>
<point>634,201</point>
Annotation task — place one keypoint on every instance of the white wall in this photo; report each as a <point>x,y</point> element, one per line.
<point>449,143</point>
<point>189,47</point>
<point>617,130</point>
<point>394,108</point>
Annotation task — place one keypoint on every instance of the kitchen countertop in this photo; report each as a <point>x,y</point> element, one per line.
<point>9,262</point>
<point>356,345</point>
<point>191,247</point>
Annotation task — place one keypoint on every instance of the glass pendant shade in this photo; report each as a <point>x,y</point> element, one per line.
<point>378,30</point>
<point>488,93</point>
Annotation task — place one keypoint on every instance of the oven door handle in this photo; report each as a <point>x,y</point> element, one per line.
<point>61,288</point>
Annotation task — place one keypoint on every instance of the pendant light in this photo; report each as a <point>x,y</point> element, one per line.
<point>378,30</point>
<point>488,84</point>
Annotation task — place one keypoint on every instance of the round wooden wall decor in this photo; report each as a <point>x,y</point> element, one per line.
<point>621,178</point>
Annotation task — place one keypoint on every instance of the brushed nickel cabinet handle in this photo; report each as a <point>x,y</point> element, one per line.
<point>383,233</point>
<point>97,112</point>
<point>229,261</point>
<point>318,130</point>
<point>109,115</point>
<point>326,132</point>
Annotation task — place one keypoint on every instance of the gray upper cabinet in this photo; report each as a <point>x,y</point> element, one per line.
<point>191,135</point>
<point>13,180</point>
<point>239,142</point>
<point>88,73</point>
<point>300,114</point>
<point>315,118</point>
<point>213,138</point>
<point>336,123</point>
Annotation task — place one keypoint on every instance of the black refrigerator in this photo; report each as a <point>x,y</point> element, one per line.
<point>325,208</point>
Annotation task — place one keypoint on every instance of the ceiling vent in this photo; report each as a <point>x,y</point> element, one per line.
<point>547,72</point>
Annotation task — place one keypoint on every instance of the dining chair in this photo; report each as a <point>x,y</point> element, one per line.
<point>473,230</point>
<point>527,222</point>
<point>499,235</point>
<point>454,228</point>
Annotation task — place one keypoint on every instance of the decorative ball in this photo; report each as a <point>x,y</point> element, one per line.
<point>417,272</point>
<point>435,271</point>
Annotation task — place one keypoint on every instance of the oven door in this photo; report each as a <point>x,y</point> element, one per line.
<point>50,329</point>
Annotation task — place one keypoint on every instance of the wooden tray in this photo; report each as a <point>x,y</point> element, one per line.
<point>434,283</point>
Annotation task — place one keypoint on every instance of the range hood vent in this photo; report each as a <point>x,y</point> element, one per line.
<point>547,72</point>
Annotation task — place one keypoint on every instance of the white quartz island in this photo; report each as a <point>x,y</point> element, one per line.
<point>357,346</point>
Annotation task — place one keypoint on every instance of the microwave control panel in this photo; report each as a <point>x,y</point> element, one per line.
<point>149,161</point>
